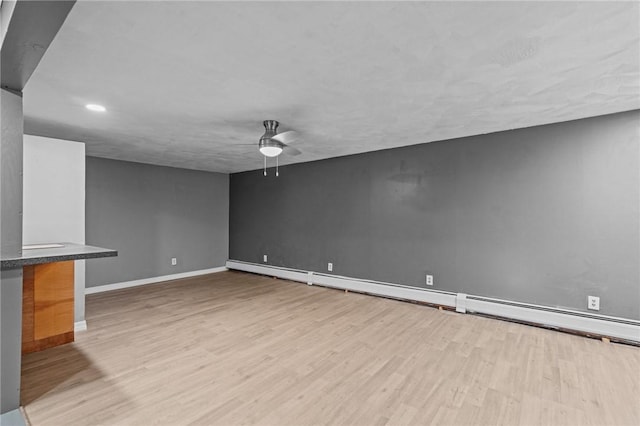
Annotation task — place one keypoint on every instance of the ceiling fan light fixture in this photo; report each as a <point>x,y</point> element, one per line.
<point>270,147</point>
<point>271,151</point>
<point>95,107</point>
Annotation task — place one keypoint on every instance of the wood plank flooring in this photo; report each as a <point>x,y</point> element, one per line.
<point>235,348</point>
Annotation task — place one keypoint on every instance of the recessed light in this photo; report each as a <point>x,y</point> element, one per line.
<point>95,107</point>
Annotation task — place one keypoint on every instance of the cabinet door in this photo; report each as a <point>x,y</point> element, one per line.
<point>53,299</point>
<point>28,275</point>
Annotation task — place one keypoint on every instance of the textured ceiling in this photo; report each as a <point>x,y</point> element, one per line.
<point>187,84</point>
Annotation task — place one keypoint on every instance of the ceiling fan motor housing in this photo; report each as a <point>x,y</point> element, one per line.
<point>271,127</point>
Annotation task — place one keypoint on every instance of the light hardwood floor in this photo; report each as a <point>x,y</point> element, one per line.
<point>234,348</point>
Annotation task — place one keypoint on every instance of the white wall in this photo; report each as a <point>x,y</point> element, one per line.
<point>54,199</point>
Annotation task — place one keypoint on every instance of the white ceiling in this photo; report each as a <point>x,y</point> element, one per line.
<point>186,84</point>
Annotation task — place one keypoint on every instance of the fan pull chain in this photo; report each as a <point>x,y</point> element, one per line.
<point>265,165</point>
<point>277,167</point>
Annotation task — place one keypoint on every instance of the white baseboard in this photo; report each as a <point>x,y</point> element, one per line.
<point>152,280</point>
<point>434,297</point>
<point>79,326</point>
<point>600,325</point>
<point>384,289</point>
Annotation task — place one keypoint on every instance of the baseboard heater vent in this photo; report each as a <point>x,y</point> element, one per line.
<point>617,329</point>
<point>593,325</point>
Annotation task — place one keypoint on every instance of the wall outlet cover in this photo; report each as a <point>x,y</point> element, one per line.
<point>174,261</point>
<point>330,267</point>
<point>593,303</point>
<point>429,279</point>
<point>264,258</point>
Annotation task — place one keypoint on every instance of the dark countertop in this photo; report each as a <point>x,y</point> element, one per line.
<point>68,251</point>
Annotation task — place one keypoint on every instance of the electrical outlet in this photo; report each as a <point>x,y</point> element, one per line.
<point>330,267</point>
<point>174,261</point>
<point>264,258</point>
<point>593,303</point>
<point>429,279</point>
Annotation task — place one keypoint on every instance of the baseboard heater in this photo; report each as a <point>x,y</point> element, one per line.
<point>616,329</point>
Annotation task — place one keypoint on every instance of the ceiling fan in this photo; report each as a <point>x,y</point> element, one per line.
<point>272,143</point>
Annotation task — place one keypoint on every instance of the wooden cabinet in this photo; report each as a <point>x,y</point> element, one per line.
<point>47,305</point>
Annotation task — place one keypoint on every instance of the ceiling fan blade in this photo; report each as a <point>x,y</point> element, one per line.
<point>285,137</point>
<point>290,150</point>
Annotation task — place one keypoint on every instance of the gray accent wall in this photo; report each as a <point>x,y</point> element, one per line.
<point>11,123</point>
<point>151,214</point>
<point>545,215</point>
<point>27,30</point>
